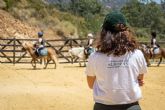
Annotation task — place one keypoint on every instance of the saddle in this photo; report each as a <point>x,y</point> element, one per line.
<point>41,52</point>
<point>153,51</point>
<point>88,51</point>
<point>156,50</point>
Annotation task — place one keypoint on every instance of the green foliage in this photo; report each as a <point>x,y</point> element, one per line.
<point>94,23</point>
<point>87,15</point>
<point>133,10</point>
<point>145,16</point>
<point>85,7</point>
<point>10,3</point>
<point>90,10</point>
<point>40,8</point>
<point>142,32</point>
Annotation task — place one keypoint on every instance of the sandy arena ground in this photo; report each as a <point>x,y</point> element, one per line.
<point>22,88</point>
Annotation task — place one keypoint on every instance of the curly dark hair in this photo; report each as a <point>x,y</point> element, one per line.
<point>116,43</point>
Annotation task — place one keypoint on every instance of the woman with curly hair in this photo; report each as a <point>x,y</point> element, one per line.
<point>115,72</point>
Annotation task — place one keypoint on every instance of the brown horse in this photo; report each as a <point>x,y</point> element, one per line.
<point>50,56</point>
<point>148,54</point>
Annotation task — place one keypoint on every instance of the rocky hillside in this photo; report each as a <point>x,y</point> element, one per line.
<point>24,18</point>
<point>11,27</point>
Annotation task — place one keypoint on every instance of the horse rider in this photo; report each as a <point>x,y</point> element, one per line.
<point>89,49</point>
<point>40,44</point>
<point>154,44</point>
<point>90,39</point>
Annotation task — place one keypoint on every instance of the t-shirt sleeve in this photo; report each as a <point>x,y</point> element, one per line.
<point>142,64</point>
<point>89,71</point>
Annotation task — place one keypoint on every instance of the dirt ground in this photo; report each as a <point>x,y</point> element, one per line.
<point>64,88</point>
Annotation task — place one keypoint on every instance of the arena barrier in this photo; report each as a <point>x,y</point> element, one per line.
<point>11,49</point>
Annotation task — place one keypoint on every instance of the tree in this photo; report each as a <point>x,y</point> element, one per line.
<point>133,11</point>
<point>85,7</point>
<point>145,14</point>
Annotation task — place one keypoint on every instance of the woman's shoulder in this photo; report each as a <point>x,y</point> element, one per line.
<point>96,55</point>
<point>137,53</point>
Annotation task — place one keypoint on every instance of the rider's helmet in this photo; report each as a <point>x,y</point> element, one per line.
<point>90,35</point>
<point>40,34</point>
<point>153,33</point>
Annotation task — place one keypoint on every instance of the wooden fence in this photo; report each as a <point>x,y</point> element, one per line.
<point>11,49</point>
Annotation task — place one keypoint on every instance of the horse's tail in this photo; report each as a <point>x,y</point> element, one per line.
<point>163,52</point>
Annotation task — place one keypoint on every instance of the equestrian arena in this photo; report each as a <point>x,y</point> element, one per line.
<point>65,88</point>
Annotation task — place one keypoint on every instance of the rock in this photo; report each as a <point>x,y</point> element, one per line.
<point>11,27</point>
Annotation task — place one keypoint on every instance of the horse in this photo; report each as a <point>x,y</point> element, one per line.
<point>159,53</point>
<point>51,55</point>
<point>82,53</point>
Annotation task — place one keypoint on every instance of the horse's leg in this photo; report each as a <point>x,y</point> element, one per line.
<point>72,60</point>
<point>79,62</point>
<point>159,61</point>
<point>47,63</point>
<point>84,63</point>
<point>41,61</point>
<point>54,61</point>
<point>34,65</point>
<point>147,59</point>
<point>54,64</point>
<point>148,62</point>
<point>32,62</point>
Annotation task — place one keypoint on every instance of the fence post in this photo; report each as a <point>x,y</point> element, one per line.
<point>71,42</point>
<point>14,45</point>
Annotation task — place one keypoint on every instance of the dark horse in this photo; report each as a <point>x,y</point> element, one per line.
<point>159,54</point>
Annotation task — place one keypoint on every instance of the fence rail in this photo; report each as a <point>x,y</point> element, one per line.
<point>11,49</point>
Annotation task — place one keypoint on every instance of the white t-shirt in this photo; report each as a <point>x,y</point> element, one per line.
<point>116,77</point>
<point>40,40</point>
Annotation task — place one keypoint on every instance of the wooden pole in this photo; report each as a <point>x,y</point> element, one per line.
<point>14,45</point>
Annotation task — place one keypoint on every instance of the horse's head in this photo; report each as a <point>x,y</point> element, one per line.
<point>26,46</point>
<point>146,50</point>
<point>144,47</point>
